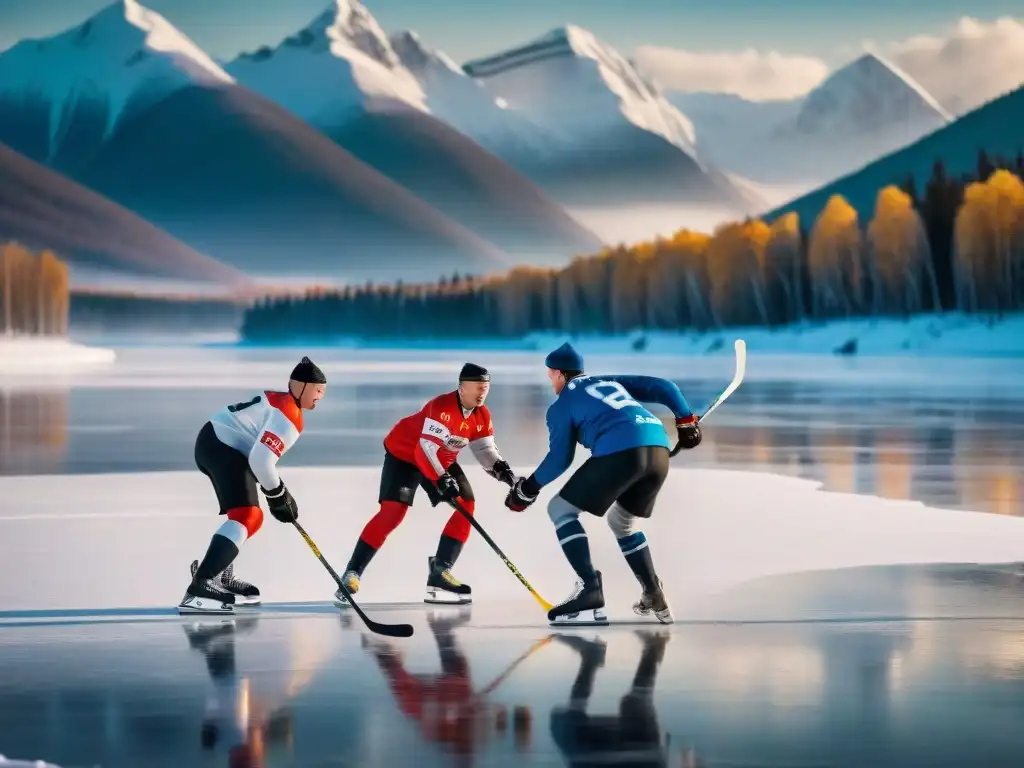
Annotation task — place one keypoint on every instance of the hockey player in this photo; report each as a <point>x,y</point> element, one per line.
<point>421,450</point>
<point>628,465</point>
<point>236,449</point>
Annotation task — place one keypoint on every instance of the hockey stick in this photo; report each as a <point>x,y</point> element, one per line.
<point>472,521</point>
<point>737,379</point>
<point>389,630</point>
<point>489,689</point>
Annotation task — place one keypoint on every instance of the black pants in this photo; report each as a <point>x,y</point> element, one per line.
<point>400,479</point>
<point>228,470</point>
<point>632,477</point>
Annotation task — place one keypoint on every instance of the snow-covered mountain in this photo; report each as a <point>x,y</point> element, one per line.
<point>62,95</point>
<point>994,128</point>
<point>617,135</point>
<point>869,96</point>
<point>414,116</point>
<point>147,120</point>
<point>340,63</point>
<point>864,109</point>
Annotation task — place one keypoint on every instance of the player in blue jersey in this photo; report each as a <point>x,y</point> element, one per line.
<point>627,467</point>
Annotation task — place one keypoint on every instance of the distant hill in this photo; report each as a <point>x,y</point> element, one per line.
<point>996,127</point>
<point>42,209</point>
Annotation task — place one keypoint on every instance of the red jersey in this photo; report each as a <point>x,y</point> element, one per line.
<point>432,438</point>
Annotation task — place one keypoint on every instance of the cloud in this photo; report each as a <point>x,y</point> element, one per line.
<point>750,74</point>
<point>976,62</point>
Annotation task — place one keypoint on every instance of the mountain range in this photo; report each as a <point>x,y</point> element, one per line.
<point>348,154</point>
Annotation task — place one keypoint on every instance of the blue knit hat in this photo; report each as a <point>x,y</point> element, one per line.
<point>565,358</point>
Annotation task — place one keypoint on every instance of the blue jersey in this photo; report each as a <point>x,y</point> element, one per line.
<point>604,414</point>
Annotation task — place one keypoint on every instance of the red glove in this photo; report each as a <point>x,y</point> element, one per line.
<point>688,433</point>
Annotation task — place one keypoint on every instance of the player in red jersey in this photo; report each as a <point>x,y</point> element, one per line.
<point>237,449</point>
<point>421,450</point>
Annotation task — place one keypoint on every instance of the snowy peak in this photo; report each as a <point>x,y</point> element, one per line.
<point>124,56</point>
<point>416,56</point>
<point>869,94</point>
<point>342,59</point>
<point>570,81</point>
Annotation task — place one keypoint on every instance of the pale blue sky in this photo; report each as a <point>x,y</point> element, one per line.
<point>829,29</point>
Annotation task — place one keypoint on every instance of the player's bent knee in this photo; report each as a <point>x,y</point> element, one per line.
<point>250,518</point>
<point>561,511</point>
<point>620,521</point>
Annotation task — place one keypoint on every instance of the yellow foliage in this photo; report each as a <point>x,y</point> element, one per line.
<point>834,260</point>
<point>34,291</point>
<point>900,259</point>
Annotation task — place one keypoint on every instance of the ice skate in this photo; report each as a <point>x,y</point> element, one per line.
<point>206,596</point>
<point>351,582</point>
<point>656,603</point>
<point>584,607</point>
<point>245,593</point>
<point>443,588</point>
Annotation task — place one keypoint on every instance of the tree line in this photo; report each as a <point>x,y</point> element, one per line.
<point>104,311</point>
<point>956,245</point>
<point>34,292</point>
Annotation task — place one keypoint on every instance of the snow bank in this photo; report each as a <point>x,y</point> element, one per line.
<point>27,355</point>
<point>108,541</point>
<point>952,335</point>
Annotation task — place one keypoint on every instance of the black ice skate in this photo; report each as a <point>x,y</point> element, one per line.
<point>584,607</point>
<point>656,603</point>
<point>443,588</point>
<point>206,596</point>
<point>245,593</point>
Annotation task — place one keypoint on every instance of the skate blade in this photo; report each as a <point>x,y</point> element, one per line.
<point>664,617</point>
<point>193,605</point>
<point>247,602</point>
<point>590,617</point>
<point>441,597</point>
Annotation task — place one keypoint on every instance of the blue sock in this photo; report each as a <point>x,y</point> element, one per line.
<point>573,540</point>
<point>638,556</point>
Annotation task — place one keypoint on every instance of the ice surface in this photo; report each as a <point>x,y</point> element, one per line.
<point>126,541</point>
<point>31,356</point>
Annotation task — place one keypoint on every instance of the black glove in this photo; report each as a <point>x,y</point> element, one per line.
<point>688,432</point>
<point>282,505</point>
<point>524,492</point>
<point>448,487</point>
<point>500,470</point>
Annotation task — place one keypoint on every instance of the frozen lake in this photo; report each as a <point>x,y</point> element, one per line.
<point>815,627</point>
<point>941,431</point>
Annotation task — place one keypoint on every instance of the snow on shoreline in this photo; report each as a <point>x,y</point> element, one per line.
<point>31,355</point>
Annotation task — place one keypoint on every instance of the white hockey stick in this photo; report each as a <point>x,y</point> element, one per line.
<point>737,379</point>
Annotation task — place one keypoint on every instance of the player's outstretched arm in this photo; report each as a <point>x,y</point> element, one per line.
<point>277,436</point>
<point>653,389</point>
<point>561,449</point>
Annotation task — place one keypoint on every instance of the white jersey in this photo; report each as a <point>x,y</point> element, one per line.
<point>262,427</point>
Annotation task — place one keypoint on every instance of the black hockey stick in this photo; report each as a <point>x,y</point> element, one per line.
<point>480,529</point>
<point>389,630</point>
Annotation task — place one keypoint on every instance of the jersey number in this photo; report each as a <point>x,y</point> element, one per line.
<point>242,406</point>
<point>617,398</point>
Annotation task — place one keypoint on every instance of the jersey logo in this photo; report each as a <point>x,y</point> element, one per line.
<point>479,427</point>
<point>445,417</point>
<point>273,442</point>
<point>456,443</point>
<point>464,425</point>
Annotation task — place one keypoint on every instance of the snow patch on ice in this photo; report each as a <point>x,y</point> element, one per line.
<point>126,541</point>
<point>32,356</point>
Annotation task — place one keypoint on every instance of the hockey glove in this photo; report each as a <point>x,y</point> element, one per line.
<point>448,487</point>
<point>688,432</point>
<point>502,471</point>
<point>524,492</point>
<point>282,505</point>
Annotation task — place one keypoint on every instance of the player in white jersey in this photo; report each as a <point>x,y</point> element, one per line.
<point>236,449</point>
